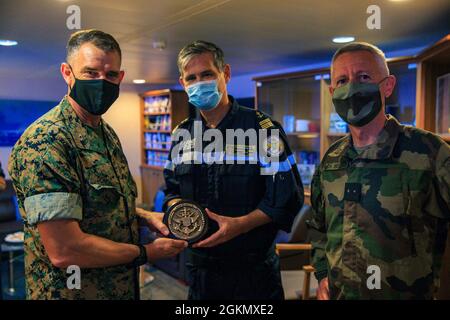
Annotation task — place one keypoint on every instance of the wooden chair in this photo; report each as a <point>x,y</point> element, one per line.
<point>297,242</point>
<point>307,269</point>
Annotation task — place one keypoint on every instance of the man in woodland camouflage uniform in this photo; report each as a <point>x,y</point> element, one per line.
<point>75,191</point>
<point>381,194</point>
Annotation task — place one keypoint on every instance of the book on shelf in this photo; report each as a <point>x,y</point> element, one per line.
<point>156,104</point>
<point>157,122</point>
<point>157,140</point>
<point>306,164</point>
<point>156,158</point>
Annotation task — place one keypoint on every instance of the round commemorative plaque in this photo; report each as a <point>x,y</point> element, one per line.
<point>187,221</point>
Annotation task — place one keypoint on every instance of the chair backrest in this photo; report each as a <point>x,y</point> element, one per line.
<point>294,260</point>
<point>158,201</point>
<point>299,230</point>
<point>7,204</point>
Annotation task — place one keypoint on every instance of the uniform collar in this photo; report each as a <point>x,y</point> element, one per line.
<point>224,123</point>
<point>381,149</point>
<point>82,133</point>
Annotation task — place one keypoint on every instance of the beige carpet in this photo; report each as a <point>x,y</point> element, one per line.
<point>163,287</point>
<point>293,285</point>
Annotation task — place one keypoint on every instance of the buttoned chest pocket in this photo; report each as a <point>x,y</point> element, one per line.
<point>240,185</point>
<point>111,214</point>
<point>385,189</point>
<point>102,198</point>
<point>385,211</point>
<point>103,211</point>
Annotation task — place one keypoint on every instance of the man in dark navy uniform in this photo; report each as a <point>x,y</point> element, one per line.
<point>250,191</point>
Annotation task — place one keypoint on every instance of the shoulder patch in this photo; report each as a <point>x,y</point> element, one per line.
<point>273,146</point>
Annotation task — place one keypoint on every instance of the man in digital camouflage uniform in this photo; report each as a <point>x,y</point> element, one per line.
<point>75,191</point>
<point>381,194</point>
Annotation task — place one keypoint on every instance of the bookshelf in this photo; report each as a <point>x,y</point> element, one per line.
<point>161,112</point>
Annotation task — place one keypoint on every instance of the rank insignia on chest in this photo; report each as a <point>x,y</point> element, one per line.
<point>240,149</point>
<point>352,192</point>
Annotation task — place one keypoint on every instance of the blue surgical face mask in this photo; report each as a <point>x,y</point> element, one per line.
<point>204,95</point>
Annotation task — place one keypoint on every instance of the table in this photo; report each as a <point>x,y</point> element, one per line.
<point>11,248</point>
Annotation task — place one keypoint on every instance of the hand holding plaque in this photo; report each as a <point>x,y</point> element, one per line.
<point>187,221</point>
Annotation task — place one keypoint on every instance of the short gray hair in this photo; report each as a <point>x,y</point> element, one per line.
<point>100,39</point>
<point>362,46</point>
<point>199,47</point>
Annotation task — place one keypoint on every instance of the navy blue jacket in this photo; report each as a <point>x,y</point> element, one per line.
<point>239,188</point>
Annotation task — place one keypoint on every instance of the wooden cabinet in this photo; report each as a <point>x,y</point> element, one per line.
<point>432,63</point>
<point>161,112</point>
<point>305,96</point>
<point>294,100</point>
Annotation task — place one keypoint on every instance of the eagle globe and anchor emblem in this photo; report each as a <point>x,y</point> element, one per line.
<point>187,221</point>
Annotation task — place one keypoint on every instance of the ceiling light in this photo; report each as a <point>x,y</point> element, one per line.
<point>8,43</point>
<point>159,44</point>
<point>343,39</point>
<point>139,81</point>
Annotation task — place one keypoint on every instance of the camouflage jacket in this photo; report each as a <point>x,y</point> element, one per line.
<point>388,207</point>
<point>64,169</point>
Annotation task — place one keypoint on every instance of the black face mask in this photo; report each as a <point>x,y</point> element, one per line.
<point>95,96</point>
<point>358,103</point>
